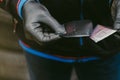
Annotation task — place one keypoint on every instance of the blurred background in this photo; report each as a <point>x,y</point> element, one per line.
<point>12,60</point>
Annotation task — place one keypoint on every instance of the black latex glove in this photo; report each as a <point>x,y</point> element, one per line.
<point>110,45</point>
<point>39,23</point>
<point>104,48</point>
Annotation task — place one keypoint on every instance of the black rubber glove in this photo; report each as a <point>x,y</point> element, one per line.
<point>104,48</point>
<point>110,45</point>
<point>39,23</point>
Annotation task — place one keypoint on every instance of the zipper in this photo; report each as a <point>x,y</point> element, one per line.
<point>81,18</point>
<point>81,14</point>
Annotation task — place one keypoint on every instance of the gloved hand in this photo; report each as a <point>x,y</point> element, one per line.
<point>39,23</point>
<point>110,45</point>
<point>104,48</point>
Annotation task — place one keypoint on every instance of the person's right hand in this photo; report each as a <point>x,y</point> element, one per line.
<point>39,23</point>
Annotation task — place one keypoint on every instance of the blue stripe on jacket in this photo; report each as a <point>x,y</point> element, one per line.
<point>53,57</point>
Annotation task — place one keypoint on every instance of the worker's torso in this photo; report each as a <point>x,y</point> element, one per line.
<point>68,10</point>
<point>98,11</point>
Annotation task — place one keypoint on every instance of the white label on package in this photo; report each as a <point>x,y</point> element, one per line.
<point>101,32</point>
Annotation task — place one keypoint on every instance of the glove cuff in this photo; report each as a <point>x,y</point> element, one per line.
<point>19,6</point>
